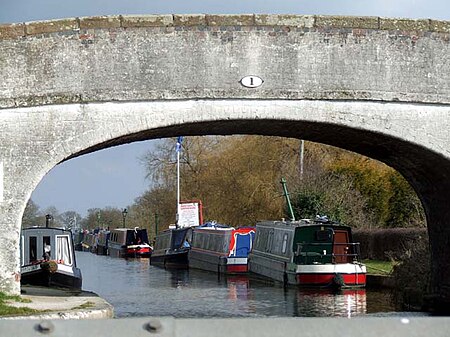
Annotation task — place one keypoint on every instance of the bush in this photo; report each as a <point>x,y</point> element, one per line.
<point>411,279</point>
<point>391,243</point>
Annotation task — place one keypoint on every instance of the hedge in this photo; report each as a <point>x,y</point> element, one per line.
<point>389,244</point>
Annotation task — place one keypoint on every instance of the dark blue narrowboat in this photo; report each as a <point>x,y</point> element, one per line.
<point>172,247</point>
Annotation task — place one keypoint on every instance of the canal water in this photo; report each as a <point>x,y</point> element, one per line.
<point>136,288</point>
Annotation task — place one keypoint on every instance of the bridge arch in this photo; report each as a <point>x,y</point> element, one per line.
<point>379,87</point>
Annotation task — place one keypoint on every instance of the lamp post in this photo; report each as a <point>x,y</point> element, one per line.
<point>124,215</point>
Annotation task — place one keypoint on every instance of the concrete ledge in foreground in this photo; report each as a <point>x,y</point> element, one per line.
<point>59,304</point>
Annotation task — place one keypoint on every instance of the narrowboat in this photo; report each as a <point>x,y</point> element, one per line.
<point>102,242</point>
<point>126,242</point>
<point>78,237</point>
<point>48,259</point>
<point>172,247</point>
<point>221,248</point>
<point>89,243</point>
<point>310,253</point>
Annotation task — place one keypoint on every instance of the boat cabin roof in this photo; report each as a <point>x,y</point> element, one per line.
<point>36,230</point>
<point>292,225</point>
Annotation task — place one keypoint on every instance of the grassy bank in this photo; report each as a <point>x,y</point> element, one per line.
<point>8,310</point>
<point>377,267</point>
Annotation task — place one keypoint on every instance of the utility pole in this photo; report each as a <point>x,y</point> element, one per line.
<point>302,150</point>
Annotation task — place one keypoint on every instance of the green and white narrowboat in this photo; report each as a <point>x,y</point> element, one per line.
<point>309,253</point>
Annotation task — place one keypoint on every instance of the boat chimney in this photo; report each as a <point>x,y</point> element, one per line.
<point>48,217</point>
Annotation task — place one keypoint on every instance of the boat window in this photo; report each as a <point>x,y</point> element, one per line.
<point>284,245</point>
<point>33,249</point>
<point>269,241</point>
<point>46,247</point>
<point>324,235</point>
<point>63,250</point>
<point>130,237</point>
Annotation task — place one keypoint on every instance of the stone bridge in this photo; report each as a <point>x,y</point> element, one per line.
<point>379,87</point>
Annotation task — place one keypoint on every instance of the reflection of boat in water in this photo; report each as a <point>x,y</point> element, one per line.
<point>221,248</point>
<point>316,253</point>
<point>126,242</point>
<point>171,248</point>
<point>323,302</point>
<point>238,286</point>
<point>48,259</point>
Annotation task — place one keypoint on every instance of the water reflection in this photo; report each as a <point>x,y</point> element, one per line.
<point>345,303</point>
<point>136,288</point>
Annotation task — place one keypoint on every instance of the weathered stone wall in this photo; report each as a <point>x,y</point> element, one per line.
<point>379,87</point>
<point>204,56</point>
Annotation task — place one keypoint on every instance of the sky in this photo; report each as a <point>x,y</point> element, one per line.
<point>115,177</point>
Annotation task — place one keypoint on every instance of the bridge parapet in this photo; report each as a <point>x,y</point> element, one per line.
<point>154,57</point>
<point>205,21</point>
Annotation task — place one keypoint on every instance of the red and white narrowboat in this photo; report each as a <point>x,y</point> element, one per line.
<point>126,242</point>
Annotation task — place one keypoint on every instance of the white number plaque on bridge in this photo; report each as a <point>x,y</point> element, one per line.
<point>251,81</point>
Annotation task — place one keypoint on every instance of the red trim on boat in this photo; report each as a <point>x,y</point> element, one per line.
<point>237,268</point>
<point>325,279</point>
<point>138,251</point>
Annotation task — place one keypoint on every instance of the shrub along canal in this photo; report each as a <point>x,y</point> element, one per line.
<point>136,288</point>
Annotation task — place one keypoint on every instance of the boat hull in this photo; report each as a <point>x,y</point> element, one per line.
<point>171,259</point>
<point>215,262</point>
<point>63,277</point>
<point>347,275</point>
<point>137,252</point>
<point>129,251</point>
<point>102,250</point>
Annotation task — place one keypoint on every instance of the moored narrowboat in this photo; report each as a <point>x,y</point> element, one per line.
<point>172,247</point>
<point>317,253</point>
<point>48,259</point>
<point>89,243</point>
<point>78,237</point>
<point>126,242</point>
<point>102,242</point>
<point>221,248</point>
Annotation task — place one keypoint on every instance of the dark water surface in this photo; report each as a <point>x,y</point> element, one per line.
<point>135,288</point>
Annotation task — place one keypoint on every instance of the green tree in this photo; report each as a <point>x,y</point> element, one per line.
<point>30,215</point>
<point>238,180</point>
<point>405,209</point>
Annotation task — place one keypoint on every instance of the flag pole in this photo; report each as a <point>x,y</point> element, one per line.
<point>178,186</point>
<point>178,149</point>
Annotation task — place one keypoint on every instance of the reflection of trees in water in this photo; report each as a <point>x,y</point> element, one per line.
<point>321,303</point>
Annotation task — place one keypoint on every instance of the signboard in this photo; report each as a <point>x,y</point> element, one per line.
<point>30,268</point>
<point>190,213</point>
